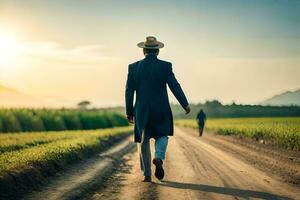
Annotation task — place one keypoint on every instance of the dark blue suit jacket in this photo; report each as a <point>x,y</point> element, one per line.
<point>152,113</point>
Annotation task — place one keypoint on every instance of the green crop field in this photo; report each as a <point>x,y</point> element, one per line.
<point>21,151</point>
<point>282,131</point>
<point>30,120</point>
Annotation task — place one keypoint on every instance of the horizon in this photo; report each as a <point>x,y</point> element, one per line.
<point>172,103</point>
<point>63,52</point>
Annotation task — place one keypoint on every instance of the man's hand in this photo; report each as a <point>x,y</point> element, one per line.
<point>130,119</point>
<point>187,110</point>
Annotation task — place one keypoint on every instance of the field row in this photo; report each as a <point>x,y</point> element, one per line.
<point>27,120</point>
<point>22,151</point>
<point>281,131</point>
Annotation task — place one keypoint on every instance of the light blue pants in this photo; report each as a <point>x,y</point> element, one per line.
<point>145,152</point>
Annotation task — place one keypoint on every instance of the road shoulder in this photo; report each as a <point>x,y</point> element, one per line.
<point>84,176</point>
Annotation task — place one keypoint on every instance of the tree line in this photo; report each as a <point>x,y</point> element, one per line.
<point>215,109</point>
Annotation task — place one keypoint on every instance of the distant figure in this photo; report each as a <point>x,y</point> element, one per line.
<point>152,114</point>
<point>201,118</point>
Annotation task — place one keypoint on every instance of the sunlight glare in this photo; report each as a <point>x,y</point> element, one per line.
<point>9,48</point>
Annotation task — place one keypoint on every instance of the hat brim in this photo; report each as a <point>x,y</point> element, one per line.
<point>158,46</point>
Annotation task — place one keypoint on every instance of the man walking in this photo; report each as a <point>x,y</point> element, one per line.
<point>152,114</point>
<point>201,118</point>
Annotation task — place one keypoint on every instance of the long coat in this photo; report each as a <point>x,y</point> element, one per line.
<point>152,113</point>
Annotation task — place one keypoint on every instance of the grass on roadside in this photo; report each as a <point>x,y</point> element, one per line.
<point>282,131</point>
<point>21,151</point>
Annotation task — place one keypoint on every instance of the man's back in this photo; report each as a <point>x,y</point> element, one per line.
<point>148,78</point>
<point>151,75</point>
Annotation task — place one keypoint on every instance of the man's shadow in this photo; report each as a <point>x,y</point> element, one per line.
<point>223,190</point>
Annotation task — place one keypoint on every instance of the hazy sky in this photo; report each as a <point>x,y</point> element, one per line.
<point>66,51</point>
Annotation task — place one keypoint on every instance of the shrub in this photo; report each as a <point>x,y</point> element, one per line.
<point>52,120</point>
<point>9,121</point>
<point>1,126</point>
<point>117,120</point>
<point>72,121</point>
<point>29,121</point>
<point>94,120</point>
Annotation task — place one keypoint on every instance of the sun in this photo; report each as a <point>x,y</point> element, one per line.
<point>9,48</point>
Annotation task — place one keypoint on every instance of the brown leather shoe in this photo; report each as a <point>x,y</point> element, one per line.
<point>147,179</point>
<point>159,170</point>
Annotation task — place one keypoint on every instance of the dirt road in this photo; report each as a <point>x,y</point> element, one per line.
<point>195,169</point>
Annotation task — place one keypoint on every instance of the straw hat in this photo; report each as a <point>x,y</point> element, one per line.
<point>151,43</point>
